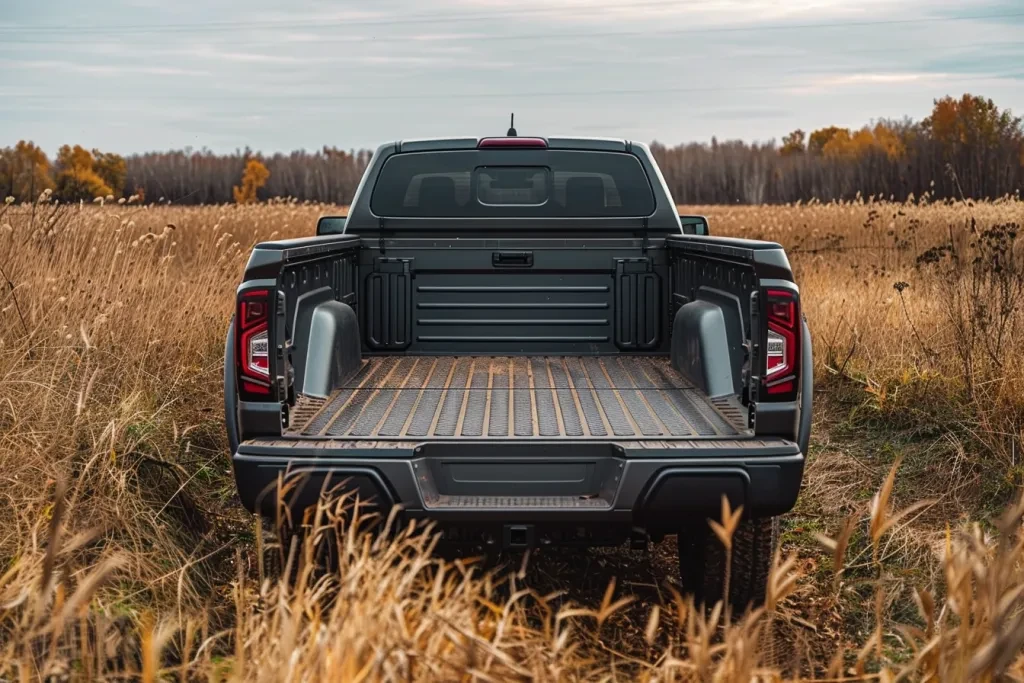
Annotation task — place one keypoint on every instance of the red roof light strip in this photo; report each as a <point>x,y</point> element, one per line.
<point>512,142</point>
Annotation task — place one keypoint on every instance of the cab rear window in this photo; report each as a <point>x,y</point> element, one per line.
<point>512,183</point>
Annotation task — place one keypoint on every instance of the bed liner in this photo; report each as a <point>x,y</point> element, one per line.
<point>424,398</point>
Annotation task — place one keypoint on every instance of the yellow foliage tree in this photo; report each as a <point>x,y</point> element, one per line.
<point>840,144</point>
<point>971,120</point>
<point>24,172</point>
<point>793,143</point>
<point>69,157</point>
<point>254,177</point>
<point>77,178</point>
<point>111,168</point>
<point>889,141</point>
<point>821,137</point>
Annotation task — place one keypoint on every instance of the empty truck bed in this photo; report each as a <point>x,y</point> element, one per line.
<point>428,398</point>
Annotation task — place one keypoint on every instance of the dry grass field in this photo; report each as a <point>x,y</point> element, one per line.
<point>123,548</point>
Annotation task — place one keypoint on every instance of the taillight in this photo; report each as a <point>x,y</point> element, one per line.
<point>252,333</point>
<point>776,353</point>
<point>783,342</point>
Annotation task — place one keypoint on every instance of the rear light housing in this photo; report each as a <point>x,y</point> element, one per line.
<point>512,142</point>
<point>252,356</point>
<point>782,344</point>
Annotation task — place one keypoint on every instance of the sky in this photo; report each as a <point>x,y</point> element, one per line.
<point>132,76</point>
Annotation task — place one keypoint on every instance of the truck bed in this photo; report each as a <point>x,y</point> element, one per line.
<point>424,398</point>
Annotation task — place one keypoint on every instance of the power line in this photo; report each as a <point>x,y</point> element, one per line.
<point>363,39</point>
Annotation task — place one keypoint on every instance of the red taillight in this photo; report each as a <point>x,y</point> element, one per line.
<point>783,342</point>
<point>253,311</point>
<point>253,354</point>
<point>512,142</point>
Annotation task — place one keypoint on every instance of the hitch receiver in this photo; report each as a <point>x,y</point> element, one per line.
<point>518,536</point>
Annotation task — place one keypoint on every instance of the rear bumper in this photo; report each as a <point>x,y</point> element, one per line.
<point>540,483</point>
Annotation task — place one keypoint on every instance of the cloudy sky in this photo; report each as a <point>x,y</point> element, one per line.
<point>136,75</point>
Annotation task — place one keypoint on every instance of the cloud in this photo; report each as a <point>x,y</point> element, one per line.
<point>728,13</point>
<point>427,37</point>
<point>401,60</point>
<point>856,79</point>
<point>213,53</point>
<point>300,37</point>
<point>821,84</point>
<point>322,72</point>
<point>297,15</point>
<point>746,114</point>
<point>993,58</point>
<point>99,69</point>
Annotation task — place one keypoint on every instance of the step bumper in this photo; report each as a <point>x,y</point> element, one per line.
<point>637,485</point>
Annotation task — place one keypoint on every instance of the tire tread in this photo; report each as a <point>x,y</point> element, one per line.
<point>702,562</point>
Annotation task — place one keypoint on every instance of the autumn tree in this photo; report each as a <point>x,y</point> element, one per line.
<point>254,177</point>
<point>900,158</point>
<point>840,145</point>
<point>971,120</point>
<point>202,177</point>
<point>76,176</point>
<point>24,172</point>
<point>111,168</point>
<point>821,137</point>
<point>978,141</point>
<point>793,143</point>
<point>889,139</point>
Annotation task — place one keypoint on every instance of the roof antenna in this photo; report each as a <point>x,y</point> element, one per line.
<point>512,127</point>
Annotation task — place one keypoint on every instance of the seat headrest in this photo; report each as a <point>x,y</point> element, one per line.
<point>584,195</point>
<point>437,194</point>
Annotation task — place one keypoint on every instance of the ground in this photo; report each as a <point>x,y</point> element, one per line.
<point>122,509</point>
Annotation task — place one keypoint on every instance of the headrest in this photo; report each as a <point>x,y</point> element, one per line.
<point>584,194</point>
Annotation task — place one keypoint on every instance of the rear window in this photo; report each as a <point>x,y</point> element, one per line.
<point>512,183</point>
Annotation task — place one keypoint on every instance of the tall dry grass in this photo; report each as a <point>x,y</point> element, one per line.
<point>111,336</point>
<point>919,303</point>
<point>388,610</point>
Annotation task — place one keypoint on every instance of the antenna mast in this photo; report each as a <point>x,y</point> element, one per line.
<point>512,127</point>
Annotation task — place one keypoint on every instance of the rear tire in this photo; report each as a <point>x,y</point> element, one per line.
<point>702,563</point>
<point>325,551</point>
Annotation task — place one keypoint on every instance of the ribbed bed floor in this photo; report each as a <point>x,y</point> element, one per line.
<point>444,397</point>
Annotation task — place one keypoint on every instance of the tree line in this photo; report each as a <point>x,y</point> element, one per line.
<point>77,173</point>
<point>188,177</point>
<point>966,147</point>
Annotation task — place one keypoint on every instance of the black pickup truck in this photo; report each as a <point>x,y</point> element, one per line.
<point>520,339</point>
